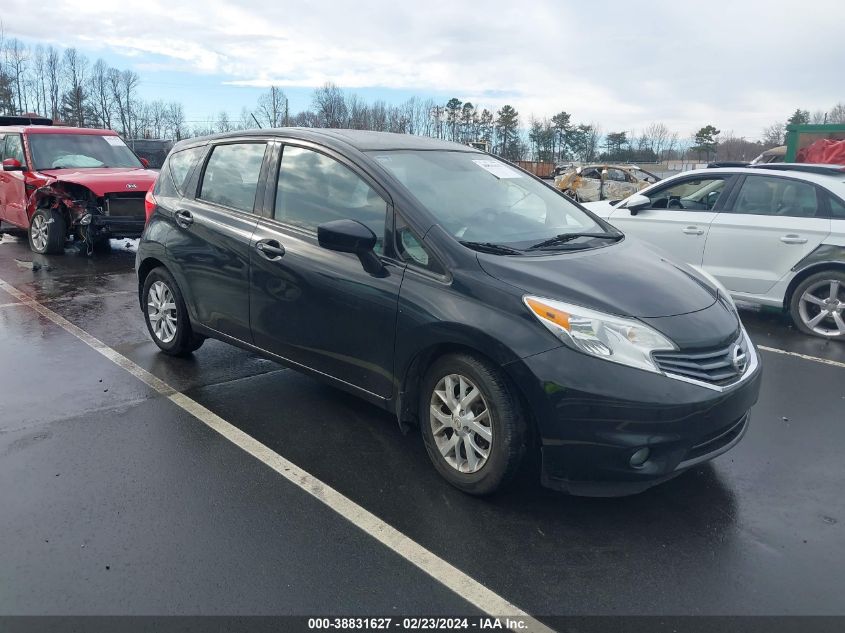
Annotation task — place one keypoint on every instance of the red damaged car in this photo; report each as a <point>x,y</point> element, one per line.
<point>62,182</point>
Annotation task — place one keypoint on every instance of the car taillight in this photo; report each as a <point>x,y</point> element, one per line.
<point>149,205</point>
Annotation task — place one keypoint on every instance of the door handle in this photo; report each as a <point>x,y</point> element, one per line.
<point>270,250</point>
<point>693,230</point>
<point>792,238</point>
<point>184,218</point>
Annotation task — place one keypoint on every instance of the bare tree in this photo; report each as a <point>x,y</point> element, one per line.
<point>157,114</point>
<point>17,57</point>
<point>837,114</point>
<point>330,105</point>
<point>818,117</point>
<point>39,82</point>
<point>222,124</point>
<point>175,120</point>
<point>657,135</point>
<point>100,95</point>
<point>774,135</point>
<point>378,116</point>
<point>53,68</point>
<point>246,121</point>
<point>7,104</point>
<point>123,85</point>
<point>75,68</point>
<point>272,108</point>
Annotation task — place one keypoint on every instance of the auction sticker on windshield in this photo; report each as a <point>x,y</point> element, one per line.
<point>499,170</point>
<point>114,140</point>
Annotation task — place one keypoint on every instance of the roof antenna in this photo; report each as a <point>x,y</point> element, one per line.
<point>252,114</point>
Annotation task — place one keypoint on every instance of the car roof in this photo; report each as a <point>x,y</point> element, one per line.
<point>362,140</point>
<point>54,129</point>
<point>826,179</point>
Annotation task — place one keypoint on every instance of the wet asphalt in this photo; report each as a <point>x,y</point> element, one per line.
<point>115,501</point>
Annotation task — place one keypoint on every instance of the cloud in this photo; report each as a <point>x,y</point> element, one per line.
<point>739,65</point>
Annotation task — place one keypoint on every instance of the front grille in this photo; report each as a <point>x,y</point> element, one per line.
<point>719,367</point>
<point>125,205</point>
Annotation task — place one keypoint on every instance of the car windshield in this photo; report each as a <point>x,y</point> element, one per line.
<point>75,151</point>
<point>481,200</point>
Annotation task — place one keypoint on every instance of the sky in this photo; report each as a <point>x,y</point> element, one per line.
<point>739,65</point>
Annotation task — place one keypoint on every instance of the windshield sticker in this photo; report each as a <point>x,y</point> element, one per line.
<point>499,170</point>
<point>383,159</point>
<point>114,140</point>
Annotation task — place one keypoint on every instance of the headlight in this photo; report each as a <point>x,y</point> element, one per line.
<point>617,339</point>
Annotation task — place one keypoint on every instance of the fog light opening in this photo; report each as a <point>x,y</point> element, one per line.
<point>639,458</point>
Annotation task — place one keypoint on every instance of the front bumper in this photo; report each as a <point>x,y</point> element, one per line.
<point>593,415</point>
<point>117,226</point>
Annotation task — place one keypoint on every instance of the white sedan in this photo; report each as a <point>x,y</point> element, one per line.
<point>773,234</point>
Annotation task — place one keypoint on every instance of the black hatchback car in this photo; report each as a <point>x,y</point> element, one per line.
<point>462,294</point>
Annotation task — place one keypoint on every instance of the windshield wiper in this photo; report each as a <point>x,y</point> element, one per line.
<point>491,247</point>
<point>563,238</point>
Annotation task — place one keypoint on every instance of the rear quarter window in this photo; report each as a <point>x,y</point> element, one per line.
<point>837,208</point>
<point>181,165</point>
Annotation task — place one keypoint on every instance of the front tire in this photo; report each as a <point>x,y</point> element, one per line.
<point>472,423</point>
<point>817,306</point>
<point>167,316</point>
<point>47,231</point>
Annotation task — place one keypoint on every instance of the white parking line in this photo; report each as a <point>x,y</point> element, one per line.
<point>463,585</point>
<point>815,359</point>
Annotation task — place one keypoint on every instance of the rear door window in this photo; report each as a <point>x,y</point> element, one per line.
<point>231,175</point>
<point>181,164</point>
<point>766,195</point>
<point>837,208</point>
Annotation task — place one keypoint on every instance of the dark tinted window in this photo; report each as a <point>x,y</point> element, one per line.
<point>14,148</point>
<point>765,195</point>
<point>231,175</point>
<point>837,208</point>
<point>314,188</point>
<point>181,165</point>
<point>699,194</point>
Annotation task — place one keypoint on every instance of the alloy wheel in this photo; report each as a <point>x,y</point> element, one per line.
<point>822,308</point>
<point>460,423</point>
<point>38,232</point>
<point>161,311</point>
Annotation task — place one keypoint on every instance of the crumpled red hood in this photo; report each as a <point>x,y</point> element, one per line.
<point>105,180</point>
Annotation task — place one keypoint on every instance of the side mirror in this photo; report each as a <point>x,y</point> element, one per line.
<point>637,203</point>
<point>145,162</point>
<point>350,236</point>
<point>13,164</point>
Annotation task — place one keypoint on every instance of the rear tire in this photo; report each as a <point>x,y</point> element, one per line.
<point>47,231</point>
<point>476,442</point>
<point>817,306</point>
<point>167,316</point>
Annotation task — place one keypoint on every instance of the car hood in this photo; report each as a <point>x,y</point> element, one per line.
<point>601,208</point>
<point>627,279</point>
<point>105,180</point>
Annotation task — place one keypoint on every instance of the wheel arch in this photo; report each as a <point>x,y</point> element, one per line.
<point>838,266</point>
<point>410,380</point>
<point>144,268</point>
